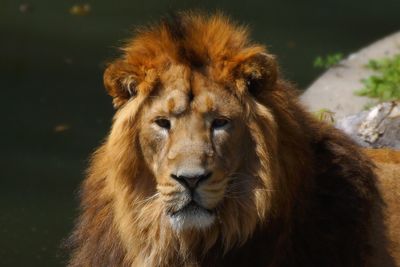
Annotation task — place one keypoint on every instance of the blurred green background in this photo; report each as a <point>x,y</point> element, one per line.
<point>56,111</point>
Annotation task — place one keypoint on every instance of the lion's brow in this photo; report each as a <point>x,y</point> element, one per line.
<point>176,104</point>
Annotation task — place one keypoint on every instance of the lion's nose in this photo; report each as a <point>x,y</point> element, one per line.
<point>191,180</point>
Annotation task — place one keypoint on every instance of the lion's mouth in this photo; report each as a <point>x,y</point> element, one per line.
<point>191,208</point>
<point>192,216</point>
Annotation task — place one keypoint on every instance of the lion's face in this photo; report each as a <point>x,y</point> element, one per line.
<point>190,127</point>
<point>190,136</point>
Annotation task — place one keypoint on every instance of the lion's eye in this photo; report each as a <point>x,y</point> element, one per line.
<point>163,123</point>
<point>219,123</point>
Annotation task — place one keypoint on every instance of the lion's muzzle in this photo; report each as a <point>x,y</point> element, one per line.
<point>191,180</point>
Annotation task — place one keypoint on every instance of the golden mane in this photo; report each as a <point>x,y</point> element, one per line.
<point>196,41</point>
<point>293,155</point>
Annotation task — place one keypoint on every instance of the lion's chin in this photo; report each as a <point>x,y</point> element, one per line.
<point>192,216</point>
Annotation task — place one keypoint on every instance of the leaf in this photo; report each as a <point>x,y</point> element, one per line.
<point>385,83</point>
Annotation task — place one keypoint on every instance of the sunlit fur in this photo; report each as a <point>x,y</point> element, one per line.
<point>285,190</point>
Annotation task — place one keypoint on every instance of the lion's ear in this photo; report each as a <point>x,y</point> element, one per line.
<point>121,82</point>
<point>259,72</point>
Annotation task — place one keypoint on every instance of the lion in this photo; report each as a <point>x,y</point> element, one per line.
<point>212,161</point>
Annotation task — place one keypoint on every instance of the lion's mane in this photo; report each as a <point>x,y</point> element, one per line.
<point>311,206</point>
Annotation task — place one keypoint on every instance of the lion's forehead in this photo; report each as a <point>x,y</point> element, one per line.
<point>192,91</point>
<point>177,102</point>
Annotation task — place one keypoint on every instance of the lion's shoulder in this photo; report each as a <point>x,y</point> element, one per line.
<point>388,180</point>
<point>384,155</point>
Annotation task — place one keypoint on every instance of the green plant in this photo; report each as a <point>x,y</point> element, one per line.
<point>326,115</point>
<point>328,61</point>
<point>385,84</point>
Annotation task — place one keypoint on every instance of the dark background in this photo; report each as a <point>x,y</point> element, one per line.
<point>55,110</point>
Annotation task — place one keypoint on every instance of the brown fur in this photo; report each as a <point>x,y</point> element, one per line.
<point>305,194</point>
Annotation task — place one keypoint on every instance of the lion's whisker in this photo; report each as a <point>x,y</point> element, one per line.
<point>144,201</point>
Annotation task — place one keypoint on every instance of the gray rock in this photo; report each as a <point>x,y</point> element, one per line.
<point>378,127</point>
<point>334,90</point>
